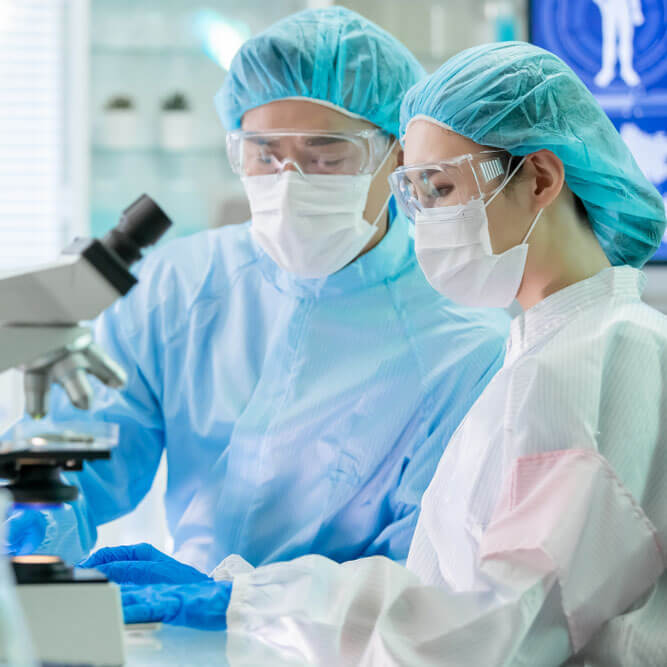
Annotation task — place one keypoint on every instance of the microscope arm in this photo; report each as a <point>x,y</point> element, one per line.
<point>40,334</point>
<point>21,344</point>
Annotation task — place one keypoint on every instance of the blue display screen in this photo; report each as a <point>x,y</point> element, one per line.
<point>619,49</point>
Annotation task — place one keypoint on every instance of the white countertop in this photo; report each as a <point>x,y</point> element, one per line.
<point>171,645</point>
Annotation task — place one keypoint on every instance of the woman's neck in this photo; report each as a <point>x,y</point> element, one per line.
<point>564,254</point>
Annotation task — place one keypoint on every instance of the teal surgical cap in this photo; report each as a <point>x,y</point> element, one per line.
<point>520,98</point>
<point>332,55</point>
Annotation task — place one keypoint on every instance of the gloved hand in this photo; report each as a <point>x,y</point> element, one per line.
<point>141,564</point>
<point>202,605</point>
<point>25,530</point>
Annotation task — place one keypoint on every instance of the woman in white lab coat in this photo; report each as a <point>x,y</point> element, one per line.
<point>544,531</point>
<point>542,538</point>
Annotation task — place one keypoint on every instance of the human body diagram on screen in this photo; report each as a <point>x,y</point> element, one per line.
<point>620,18</point>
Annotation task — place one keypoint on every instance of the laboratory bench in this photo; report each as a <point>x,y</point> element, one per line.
<point>170,645</point>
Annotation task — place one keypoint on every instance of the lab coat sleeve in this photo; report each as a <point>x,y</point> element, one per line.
<point>567,549</point>
<point>443,410</point>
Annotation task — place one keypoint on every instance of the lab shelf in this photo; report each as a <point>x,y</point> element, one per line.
<point>133,51</point>
<point>101,150</point>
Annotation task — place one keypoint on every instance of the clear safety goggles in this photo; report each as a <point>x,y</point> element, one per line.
<point>451,182</point>
<point>314,152</point>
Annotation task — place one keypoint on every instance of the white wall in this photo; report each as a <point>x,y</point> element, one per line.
<point>148,523</point>
<point>656,287</point>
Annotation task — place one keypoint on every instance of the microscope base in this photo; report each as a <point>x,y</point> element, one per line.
<point>74,622</point>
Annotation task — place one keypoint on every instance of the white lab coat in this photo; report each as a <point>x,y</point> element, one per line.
<point>543,532</point>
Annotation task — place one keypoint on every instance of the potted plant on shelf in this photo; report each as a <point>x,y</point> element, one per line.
<point>176,122</point>
<point>119,122</point>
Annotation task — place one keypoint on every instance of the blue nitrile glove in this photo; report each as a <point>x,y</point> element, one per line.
<point>141,564</point>
<point>25,530</point>
<point>202,605</point>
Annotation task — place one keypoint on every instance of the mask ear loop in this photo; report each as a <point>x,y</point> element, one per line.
<point>532,226</point>
<point>378,169</point>
<point>383,210</point>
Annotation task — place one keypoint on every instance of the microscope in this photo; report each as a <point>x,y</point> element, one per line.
<point>74,616</point>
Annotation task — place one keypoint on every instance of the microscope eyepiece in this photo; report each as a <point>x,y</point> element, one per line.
<point>142,224</point>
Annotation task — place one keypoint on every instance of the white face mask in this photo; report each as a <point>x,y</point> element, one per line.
<point>311,226</point>
<point>454,251</point>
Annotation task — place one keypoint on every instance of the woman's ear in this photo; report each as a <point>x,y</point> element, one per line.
<point>547,174</point>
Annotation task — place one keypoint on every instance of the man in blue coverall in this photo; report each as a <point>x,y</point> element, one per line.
<point>299,372</point>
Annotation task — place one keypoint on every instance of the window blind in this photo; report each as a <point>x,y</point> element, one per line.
<point>33,174</point>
